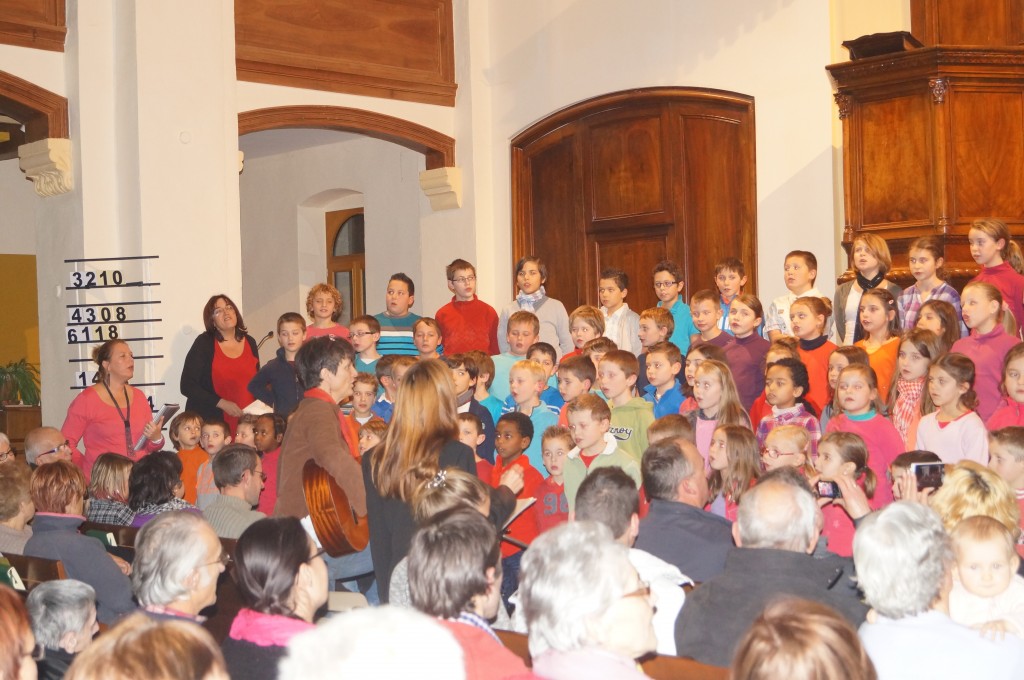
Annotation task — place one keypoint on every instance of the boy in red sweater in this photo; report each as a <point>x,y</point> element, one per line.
<point>466,322</point>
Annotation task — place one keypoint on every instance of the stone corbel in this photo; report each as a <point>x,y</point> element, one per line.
<point>241,162</point>
<point>47,162</point>
<point>443,186</point>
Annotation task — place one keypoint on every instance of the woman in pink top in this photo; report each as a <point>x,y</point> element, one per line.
<point>111,415</point>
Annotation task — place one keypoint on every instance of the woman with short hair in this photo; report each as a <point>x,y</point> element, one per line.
<point>282,578</point>
<point>108,491</point>
<point>16,508</point>
<point>155,487</point>
<point>63,615</point>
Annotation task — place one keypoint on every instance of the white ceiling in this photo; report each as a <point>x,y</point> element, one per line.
<point>274,142</point>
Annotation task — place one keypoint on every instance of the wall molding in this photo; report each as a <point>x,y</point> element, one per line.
<point>43,113</point>
<point>40,24</point>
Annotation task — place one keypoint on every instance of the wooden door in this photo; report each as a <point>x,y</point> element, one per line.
<point>628,179</point>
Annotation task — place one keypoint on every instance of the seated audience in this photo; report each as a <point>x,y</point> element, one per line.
<point>238,473</point>
<point>155,487</point>
<point>63,615</point>
<point>58,492</point>
<point>903,559</point>
<point>455,576</point>
<point>987,592</point>
<point>970,489</point>
<point>178,559</point>
<point>776,531</point>
<point>588,613</point>
<point>801,640</point>
<point>16,509</point>
<point>18,649</point>
<point>677,529</point>
<point>282,578</point>
<point>140,647</point>
<point>108,491</point>
<point>46,445</point>
<point>379,642</point>
<point>609,496</point>
<point>7,454</point>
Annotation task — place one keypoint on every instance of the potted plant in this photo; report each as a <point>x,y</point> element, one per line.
<point>19,383</point>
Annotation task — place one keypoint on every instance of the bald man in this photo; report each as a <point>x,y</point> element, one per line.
<point>776,532</point>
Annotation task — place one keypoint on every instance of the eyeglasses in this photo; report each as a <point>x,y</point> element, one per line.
<point>5,455</point>
<point>217,311</point>
<point>644,590</point>
<point>263,475</point>
<point>56,449</point>
<point>224,559</point>
<point>775,453</point>
<point>462,280</point>
<point>319,553</point>
<point>359,334</point>
<point>665,284</point>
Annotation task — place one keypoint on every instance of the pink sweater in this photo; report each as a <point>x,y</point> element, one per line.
<point>987,351</point>
<point>1008,414</point>
<point>101,429</point>
<point>883,443</point>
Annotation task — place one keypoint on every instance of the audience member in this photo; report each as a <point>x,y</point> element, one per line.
<point>238,472</point>
<point>801,640</point>
<point>677,529</point>
<point>455,575</point>
<point>380,642</point>
<point>7,454</point>
<point>108,491</point>
<point>969,489</point>
<point>58,492</point>
<point>588,613</point>
<point>987,592</point>
<point>178,559</point>
<point>140,647</point>
<point>18,649</point>
<point>610,497</point>
<point>282,579</point>
<point>903,559</point>
<point>776,531</point>
<point>46,445</point>
<point>16,508</point>
<point>63,615</point>
<point>155,487</point>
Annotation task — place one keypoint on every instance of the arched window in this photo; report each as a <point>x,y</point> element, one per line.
<point>346,260</point>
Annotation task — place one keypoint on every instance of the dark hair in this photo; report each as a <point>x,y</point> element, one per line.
<point>318,354</point>
<point>905,460</point>
<point>522,422</point>
<point>731,264</point>
<point>153,479</point>
<point>369,321</point>
<point>240,328</point>
<point>404,278</point>
<point>280,424</point>
<point>620,277</point>
<point>950,319</point>
<point>102,353</point>
<point>484,364</point>
<point>671,267</point>
<point>885,296</point>
<point>217,422</point>
<point>545,349</point>
<point>663,466</point>
<point>267,559</point>
<point>609,496</point>
<point>580,367</point>
<point>458,265</point>
<point>465,361</point>
<point>471,418</point>
<point>291,317</point>
<point>231,462</point>
<point>810,261</point>
<point>541,267</point>
<point>448,562</point>
<point>798,374</point>
<point>961,369</point>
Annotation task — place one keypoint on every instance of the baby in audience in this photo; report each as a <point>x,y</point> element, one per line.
<point>987,592</point>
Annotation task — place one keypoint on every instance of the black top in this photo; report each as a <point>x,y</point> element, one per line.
<point>391,522</point>
<point>197,377</point>
<point>718,613</point>
<point>248,661</point>
<point>692,539</point>
<point>55,664</point>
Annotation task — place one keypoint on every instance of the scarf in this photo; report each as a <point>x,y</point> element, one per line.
<point>865,285</point>
<point>908,400</point>
<point>811,345</point>
<point>266,630</point>
<point>528,303</point>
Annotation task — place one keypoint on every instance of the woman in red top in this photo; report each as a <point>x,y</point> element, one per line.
<point>111,415</point>
<point>220,364</point>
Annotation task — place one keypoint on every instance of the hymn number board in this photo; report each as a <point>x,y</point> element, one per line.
<point>112,298</point>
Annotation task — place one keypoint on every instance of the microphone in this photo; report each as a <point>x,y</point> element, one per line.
<point>266,337</point>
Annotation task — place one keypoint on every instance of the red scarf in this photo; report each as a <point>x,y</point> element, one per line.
<point>908,402</point>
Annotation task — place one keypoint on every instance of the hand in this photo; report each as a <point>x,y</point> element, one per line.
<point>908,484</point>
<point>994,630</point>
<point>125,568</point>
<point>152,430</point>
<point>513,479</point>
<point>230,408</point>
<point>854,500</point>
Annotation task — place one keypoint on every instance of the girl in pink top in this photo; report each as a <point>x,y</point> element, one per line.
<point>735,459</point>
<point>111,415</point>
<point>953,432</point>
<point>1002,264</point>
<point>857,396</point>
<point>1011,412</point>
<point>324,306</point>
<point>843,454</point>
<point>987,344</point>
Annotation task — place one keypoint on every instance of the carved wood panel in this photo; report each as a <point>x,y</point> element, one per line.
<point>33,23</point>
<point>667,173</point>
<point>396,49</point>
<point>974,22</point>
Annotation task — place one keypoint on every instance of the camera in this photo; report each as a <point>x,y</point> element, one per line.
<point>928,475</point>
<point>828,490</point>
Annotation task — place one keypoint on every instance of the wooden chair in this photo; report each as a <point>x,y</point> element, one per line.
<point>125,536</point>
<point>36,570</point>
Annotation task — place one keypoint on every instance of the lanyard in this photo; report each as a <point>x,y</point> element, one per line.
<point>125,418</point>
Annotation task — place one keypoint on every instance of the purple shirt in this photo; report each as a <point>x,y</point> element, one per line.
<point>746,360</point>
<point>987,351</point>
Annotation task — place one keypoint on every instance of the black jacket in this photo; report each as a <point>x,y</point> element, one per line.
<point>692,539</point>
<point>197,377</point>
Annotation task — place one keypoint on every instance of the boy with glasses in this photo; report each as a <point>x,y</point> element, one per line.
<point>668,286</point>
<point>467,323</point>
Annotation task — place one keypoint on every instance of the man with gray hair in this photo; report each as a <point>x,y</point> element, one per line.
<point>46,445</point>
<point>178,559</point>
<point>904,558</point>
<point>238,473</point>
<point>63,616</point>
<point>677,529</point>
<point>776,532</point>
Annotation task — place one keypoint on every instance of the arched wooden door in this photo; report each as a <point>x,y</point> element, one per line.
<point>630,178</point>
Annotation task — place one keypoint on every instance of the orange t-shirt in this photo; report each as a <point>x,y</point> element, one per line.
<point>883,360</point>
<point>816,361</point>
<point>191,459</point>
